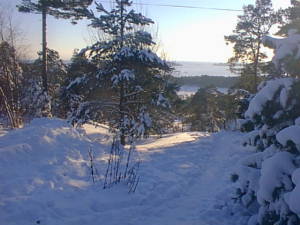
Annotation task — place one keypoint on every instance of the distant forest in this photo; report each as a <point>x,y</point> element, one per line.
<point>205,81</point>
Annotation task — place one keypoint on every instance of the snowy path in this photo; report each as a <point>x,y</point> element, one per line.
<point>187,178</point>
<point>184,180</point>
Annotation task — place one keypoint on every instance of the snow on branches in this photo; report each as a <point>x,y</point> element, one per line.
<point>269,178</point>
<point>124,91</point>
<point>286,52</point>
<point>266,177</point>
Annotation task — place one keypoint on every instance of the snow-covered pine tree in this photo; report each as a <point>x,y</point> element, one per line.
<point>73,93</point>
<point>36,102</point>
<point>265,176</point>
<point>269,178</point>
<point>129,88</point>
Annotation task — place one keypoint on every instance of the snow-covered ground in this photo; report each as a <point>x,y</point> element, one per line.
<point>185,178</point>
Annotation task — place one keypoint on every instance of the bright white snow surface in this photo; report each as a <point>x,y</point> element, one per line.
<point>44,174</point>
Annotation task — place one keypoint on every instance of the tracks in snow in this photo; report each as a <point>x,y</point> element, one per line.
<point>181,182</point>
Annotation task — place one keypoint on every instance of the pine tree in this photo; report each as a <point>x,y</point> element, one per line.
<point>128,70</point>
<point>265,175</point>
<point>57,69</point>
<point>268,178</point>
<point>129,88</point>
<point>252,26</point>
<point>73,93</point>
<point>291,19</point>
<point>59,9</point>
<point>53,105</point>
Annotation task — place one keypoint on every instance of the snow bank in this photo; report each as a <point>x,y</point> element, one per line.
<point>46,154</point>
<point>42,165</point>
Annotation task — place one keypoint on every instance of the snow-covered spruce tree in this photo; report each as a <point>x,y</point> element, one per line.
<point>129,88</point>
<point>35,101</point>
<point>73,93</point>
<point>269,178</point>
<point>11,77</point>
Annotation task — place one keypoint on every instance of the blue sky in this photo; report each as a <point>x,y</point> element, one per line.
<point>183,34</point>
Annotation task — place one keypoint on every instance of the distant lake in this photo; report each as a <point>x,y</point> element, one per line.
<point>201,68</point>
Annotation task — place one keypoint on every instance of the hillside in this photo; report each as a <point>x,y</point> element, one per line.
<point>45,178</point>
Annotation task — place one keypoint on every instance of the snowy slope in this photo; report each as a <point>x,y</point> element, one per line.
<point>44,173</point>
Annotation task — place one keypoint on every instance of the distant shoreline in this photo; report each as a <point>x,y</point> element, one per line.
<point>185,69</point>
<point>206,81</point>
<point>191,68</point>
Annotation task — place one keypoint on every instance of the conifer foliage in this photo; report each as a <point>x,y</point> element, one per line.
<point>287,47</point>
<point>269,178</point>
<point>36,102</point>
<point>266,183</point>
<point>252,26</point>
<point>11,78</point>
<point>129,86</point>
<point>66,9</point>
<point>205,111</point>
<point>57,77</point>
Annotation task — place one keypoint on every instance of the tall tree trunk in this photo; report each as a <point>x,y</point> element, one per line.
<point>122,94</point>
<point>8,109</point>
<point>256,66</point>
<point>44,27</point>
